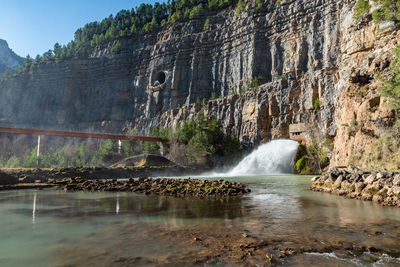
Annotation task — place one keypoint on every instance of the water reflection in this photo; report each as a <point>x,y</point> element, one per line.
<point>117,205</point>
<point>34,208</point>
<point>72,206</point>
<point>113,225</point>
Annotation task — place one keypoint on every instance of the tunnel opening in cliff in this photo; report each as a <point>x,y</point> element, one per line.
<point>161,76</point>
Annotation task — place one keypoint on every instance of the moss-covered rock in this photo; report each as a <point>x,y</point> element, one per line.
<point>160,186</point>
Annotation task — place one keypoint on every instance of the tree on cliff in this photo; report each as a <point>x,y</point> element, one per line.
<point>28,62</point>
<point>391,86</point>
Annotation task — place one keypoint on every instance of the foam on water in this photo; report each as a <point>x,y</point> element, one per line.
<point>275,157</point>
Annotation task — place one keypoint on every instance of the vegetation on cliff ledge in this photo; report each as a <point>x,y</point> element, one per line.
<point>384,150</point>
<point>314,157</point>
<point>391,86</point>
<point>388,10</point>
<point>144,18</point>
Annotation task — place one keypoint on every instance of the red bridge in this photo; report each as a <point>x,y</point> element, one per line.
<point>79,134</point>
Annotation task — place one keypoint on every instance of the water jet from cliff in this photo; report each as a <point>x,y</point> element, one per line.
<point>274,157</point>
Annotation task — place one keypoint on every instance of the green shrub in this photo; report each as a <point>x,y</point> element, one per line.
<point>196,11</point>
<point>317,104</point>
<point>31,159</point>
<point>175,16</point>
<point>206,26</point>
<point>324,161</point>
<point>353,128</point>
<point>254,83</point>
<point>213,4</point>
<point>13,162</point>
<point>362,7</point>
<point>152,25</point>
<point>6,75</point>
<point>213,96</point>
<point>282,77</point>
<point>258,6</point>
<point>328,143</point>
<point>389,10</point>
<point>116,48</point>
<point>240,8</point>
<point>106,152</point>
<point>278,3</point>
<point>205,139</point>
<point>301,164</point>
<point>391,86</point>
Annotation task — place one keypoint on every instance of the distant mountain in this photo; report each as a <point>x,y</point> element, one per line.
<point>8,59</point>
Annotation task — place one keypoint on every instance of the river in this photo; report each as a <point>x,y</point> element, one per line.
<point>54,228</point>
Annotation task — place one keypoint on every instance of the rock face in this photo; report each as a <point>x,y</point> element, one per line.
<point>305,52</point>
<point>8,59</point>
<point>381,187</point>
<point>109,91</point>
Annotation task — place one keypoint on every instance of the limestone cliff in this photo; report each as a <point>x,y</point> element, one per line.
<point>280,45</point>
<point>310,56</point>
<point>8,59</point>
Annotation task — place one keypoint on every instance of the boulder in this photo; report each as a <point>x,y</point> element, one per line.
<point>371,178</point>
<point>338,182</point>
<point>396,180</point>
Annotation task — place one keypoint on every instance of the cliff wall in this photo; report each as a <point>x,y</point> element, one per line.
<point>110,90</point>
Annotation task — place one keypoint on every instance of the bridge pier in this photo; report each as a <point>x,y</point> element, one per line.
<point>119,146</point>
<point>38,151</point>
<point>161,149</point>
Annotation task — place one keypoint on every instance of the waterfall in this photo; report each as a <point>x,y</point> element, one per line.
<point>271,158</point>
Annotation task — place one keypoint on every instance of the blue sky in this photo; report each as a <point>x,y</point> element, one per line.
<point>34,26</point>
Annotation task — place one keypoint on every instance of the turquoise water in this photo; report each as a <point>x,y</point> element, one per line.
<point>55,228</point>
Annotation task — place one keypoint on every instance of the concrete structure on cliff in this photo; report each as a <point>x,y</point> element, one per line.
<point>303,51</point>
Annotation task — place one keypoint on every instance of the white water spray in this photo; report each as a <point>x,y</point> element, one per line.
<point>274,157</point>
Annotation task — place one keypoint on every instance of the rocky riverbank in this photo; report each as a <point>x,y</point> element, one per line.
<point>105,179</point>
<point>380,187</point>
<point>159,186</point>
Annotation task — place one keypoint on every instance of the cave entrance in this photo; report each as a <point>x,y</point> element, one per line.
<point>160,78</point>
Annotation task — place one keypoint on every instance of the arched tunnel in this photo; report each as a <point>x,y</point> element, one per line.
<point>160,78</point>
